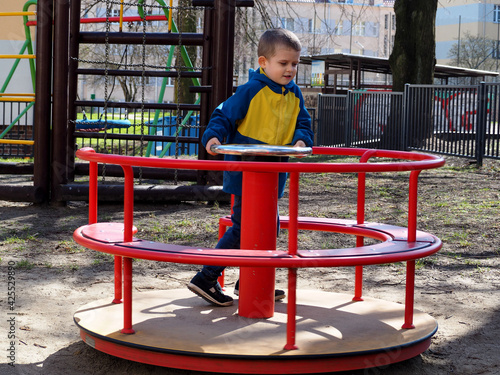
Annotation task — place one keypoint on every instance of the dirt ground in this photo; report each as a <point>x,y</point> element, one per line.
<point>459,286</point>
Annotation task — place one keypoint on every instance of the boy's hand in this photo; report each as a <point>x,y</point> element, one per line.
<point>299,143</point>
<point>212,141</point>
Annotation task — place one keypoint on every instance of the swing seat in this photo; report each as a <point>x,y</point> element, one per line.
<point>99,125</point>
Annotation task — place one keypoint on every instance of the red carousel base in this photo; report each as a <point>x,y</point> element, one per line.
<point>176,329</point>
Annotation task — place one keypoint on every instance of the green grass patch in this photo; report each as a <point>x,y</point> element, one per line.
<point>24,264</point>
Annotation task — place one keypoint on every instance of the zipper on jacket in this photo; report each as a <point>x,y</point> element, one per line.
<point>282,118</point>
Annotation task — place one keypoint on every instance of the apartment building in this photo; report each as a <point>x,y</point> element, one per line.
<point>364,27</point>
<point>455,19</point>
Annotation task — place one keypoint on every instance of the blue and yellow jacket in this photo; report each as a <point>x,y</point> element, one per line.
<point>261,111</point>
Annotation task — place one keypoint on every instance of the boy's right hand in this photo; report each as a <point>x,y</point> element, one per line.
<point>212,141</point>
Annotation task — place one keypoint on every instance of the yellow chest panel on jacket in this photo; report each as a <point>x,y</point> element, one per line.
<point>271,117</point>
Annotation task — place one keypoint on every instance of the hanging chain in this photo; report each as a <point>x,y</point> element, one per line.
<point>178,98</point>
<point>106,83</point>
<point>130,65</point>
<point>179,66</point>
<point>143,88</point>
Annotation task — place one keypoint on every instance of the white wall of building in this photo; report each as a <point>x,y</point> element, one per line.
<point>12,37</point>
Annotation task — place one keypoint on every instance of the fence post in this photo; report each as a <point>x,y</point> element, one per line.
<point>319,130</point>
<point>349,118</point>
<point>405,117</point>
<point>482,115</point>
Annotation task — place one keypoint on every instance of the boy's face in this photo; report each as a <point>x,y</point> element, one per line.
<point>282,67</point>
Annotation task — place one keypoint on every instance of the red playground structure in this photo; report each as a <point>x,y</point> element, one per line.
<point>312,331</point>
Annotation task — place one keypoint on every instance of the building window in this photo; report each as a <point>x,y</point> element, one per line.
<point>393,18</point>
<point>339,30</point>
<point>386,22</point>
<point>114,13</point>
<point>495,54</point>
<point>359,29</point>
<point>496,13</point>
<point>288,23</point>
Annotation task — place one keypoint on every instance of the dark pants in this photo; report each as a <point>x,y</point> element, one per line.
<point>230,240</point>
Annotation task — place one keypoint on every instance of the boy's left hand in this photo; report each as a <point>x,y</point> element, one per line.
<point>299,143</point>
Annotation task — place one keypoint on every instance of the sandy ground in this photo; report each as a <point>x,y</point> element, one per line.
<point>459,287</point>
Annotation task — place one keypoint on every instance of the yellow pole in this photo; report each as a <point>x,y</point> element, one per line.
<point>7,94</point>
<point>121,15</point>
<point>17,56</point>
<point>17,99</point>
<point>6,14</point>
<point>17,141</point>
<point>170,16</point>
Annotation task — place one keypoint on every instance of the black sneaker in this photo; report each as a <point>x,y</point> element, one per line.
<point>278,293</point>
<point>211,293</point>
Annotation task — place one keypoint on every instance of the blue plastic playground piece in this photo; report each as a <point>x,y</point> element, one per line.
<point>98,125</point>
<point>167,126</point>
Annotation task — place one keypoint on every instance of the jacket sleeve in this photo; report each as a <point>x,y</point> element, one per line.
<point>223,122</point>
<point>303,129</point>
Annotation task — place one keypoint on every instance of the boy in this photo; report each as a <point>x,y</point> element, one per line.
<point>268,109</point>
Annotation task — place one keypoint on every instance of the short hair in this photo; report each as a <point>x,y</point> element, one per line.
<point>272,38</point>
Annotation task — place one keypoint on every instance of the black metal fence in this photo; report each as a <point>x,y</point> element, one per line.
<point>16,126</point>
<point>451,120</point>
<point>360,118</point>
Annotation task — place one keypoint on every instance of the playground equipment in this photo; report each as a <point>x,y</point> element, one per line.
<point>58,40</point>
<point>88,125</point>
<point>313,331</point>
<point>29,98</point>
<point>97,125</point>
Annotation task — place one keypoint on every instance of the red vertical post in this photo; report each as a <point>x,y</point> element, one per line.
<point>412,237</point>
<point>93,192</point>
<point>293,214</point>
<point>410,292</point>
<point>292,272</point>
<point>128,203</point>
<point>128,222</point>
<point>118,279</point>
<point>291,310</point>
<point>127,230</point>
<point>360,241</point>
<point>127,296</point>
<point>412,206</point>
<point>259,228</point>
<point>358,283</point>
<point>222,230</point>
<point>360,219</point>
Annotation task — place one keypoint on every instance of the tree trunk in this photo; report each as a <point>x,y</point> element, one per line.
<point>414,54</point>
<point>412,61</point>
